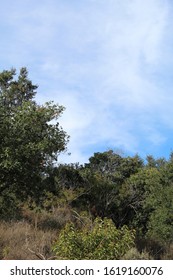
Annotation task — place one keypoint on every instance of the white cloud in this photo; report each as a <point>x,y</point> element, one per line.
<point>103,61</point>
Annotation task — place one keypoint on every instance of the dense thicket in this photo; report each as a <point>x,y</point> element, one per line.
<point>125,191</point>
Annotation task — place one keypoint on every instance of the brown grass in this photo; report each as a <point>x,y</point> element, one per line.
<point>19,241</point>
<point>32,237</point>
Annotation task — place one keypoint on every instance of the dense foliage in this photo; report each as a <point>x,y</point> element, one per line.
<point>101,241</point>
<point>29,142</point>
<point>117,194</point>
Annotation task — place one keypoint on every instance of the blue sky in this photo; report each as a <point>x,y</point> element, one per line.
<point>109,62</point>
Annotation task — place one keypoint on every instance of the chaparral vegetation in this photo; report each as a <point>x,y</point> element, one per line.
<point>114,207</point>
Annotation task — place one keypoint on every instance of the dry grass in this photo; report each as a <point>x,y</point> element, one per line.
<point>35,233</point>
<point>168,255</point>
<point>47,220</point>
<point>19,241</point>
<point>134,254</point>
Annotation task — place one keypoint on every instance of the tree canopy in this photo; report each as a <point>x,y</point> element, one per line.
<point>29,141</point>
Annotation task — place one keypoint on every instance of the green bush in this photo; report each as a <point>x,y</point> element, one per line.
<point>101,240</point>
<point>9,206</point>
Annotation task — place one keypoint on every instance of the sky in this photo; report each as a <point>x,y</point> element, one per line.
<point>108,62</point>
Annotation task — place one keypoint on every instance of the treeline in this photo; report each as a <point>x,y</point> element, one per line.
<point>128,191</point>
<point>114,207</point>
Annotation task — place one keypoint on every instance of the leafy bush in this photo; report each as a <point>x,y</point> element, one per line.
<point>9,206</point>
<point>101,240</point>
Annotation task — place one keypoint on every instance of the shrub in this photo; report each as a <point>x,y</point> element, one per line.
<point>9,206</point>
<point>101,240</point>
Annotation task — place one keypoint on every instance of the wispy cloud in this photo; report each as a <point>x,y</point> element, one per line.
<point>105,61</point>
